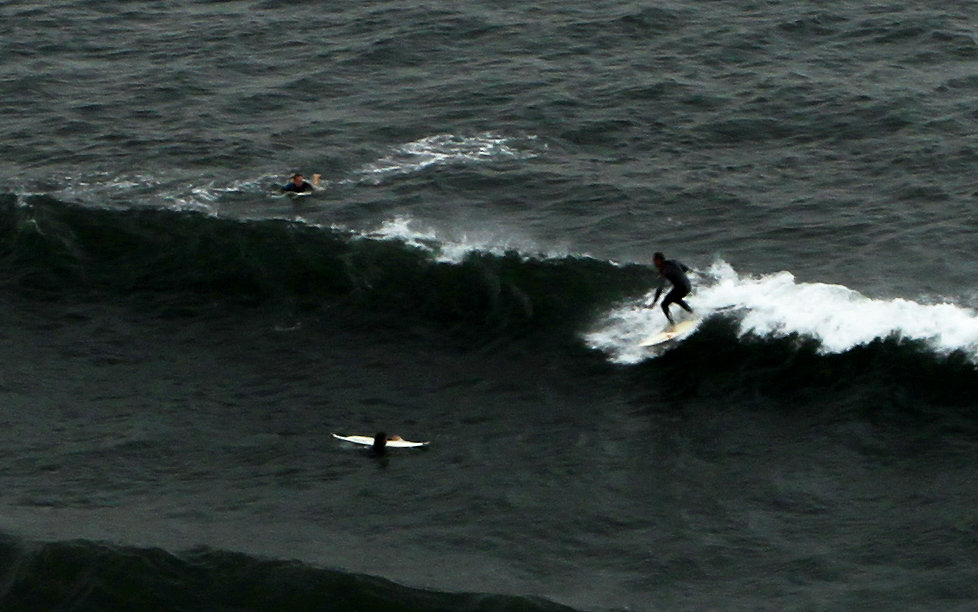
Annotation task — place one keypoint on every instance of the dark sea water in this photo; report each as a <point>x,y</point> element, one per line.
<point>179,340</point>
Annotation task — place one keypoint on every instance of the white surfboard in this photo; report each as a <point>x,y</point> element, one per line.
<point>674,332</point>
<point>297,194</point>
<point>396,442</point>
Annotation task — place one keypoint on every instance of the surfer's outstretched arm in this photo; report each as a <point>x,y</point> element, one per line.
<point>658,292</point>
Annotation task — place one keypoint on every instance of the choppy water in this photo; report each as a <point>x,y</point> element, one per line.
<point>180,340</point>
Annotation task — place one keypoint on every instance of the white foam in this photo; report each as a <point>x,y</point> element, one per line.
<point>443,149</point>
<point>404,229</point>
<point>777,305</point>
<point>104,188</point>
<point>448,247</point>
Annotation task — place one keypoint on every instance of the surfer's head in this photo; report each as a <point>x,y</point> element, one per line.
<point>297,178</point>
<point>658,259</point>
<point>380,441</point>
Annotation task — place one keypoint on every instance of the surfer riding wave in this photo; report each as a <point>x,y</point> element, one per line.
<point>675,273</point>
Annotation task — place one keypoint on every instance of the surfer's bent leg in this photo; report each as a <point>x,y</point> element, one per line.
<point>665,309</point>
<point>675,297</point>
<point>669,299</point>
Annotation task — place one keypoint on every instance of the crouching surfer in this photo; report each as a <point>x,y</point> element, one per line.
<point>675,273</point>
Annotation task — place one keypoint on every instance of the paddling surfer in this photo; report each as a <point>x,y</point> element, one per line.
<point>675,273</point>
<point>298,184</point>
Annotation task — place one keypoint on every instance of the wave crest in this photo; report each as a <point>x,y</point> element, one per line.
<point>835,317</point>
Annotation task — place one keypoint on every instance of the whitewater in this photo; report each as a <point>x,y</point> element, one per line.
<point>179,340</point>
<point>776,305</point>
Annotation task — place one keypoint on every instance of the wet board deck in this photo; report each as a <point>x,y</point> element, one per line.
<point>369,441</point>
<point>678,331</point>
<point>297,194</point>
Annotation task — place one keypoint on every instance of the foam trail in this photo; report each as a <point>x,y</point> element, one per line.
<point>442,149</point>
<point>449,248</point>
<point>777,305</point>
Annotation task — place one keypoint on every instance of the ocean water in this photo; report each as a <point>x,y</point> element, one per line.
<point>179,339</point>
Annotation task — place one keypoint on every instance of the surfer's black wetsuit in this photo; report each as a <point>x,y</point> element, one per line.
<point>305,186</point>
<point>675,273</point>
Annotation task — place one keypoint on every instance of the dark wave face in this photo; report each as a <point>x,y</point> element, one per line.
<point>82,576</point>
<point>179,339</point>
<point>59,251</point>
<point>187,264</point>
<point>887,374</point>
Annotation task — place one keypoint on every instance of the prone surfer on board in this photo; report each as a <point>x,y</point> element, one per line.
<point>298,184</point>
<point>675,273</point>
